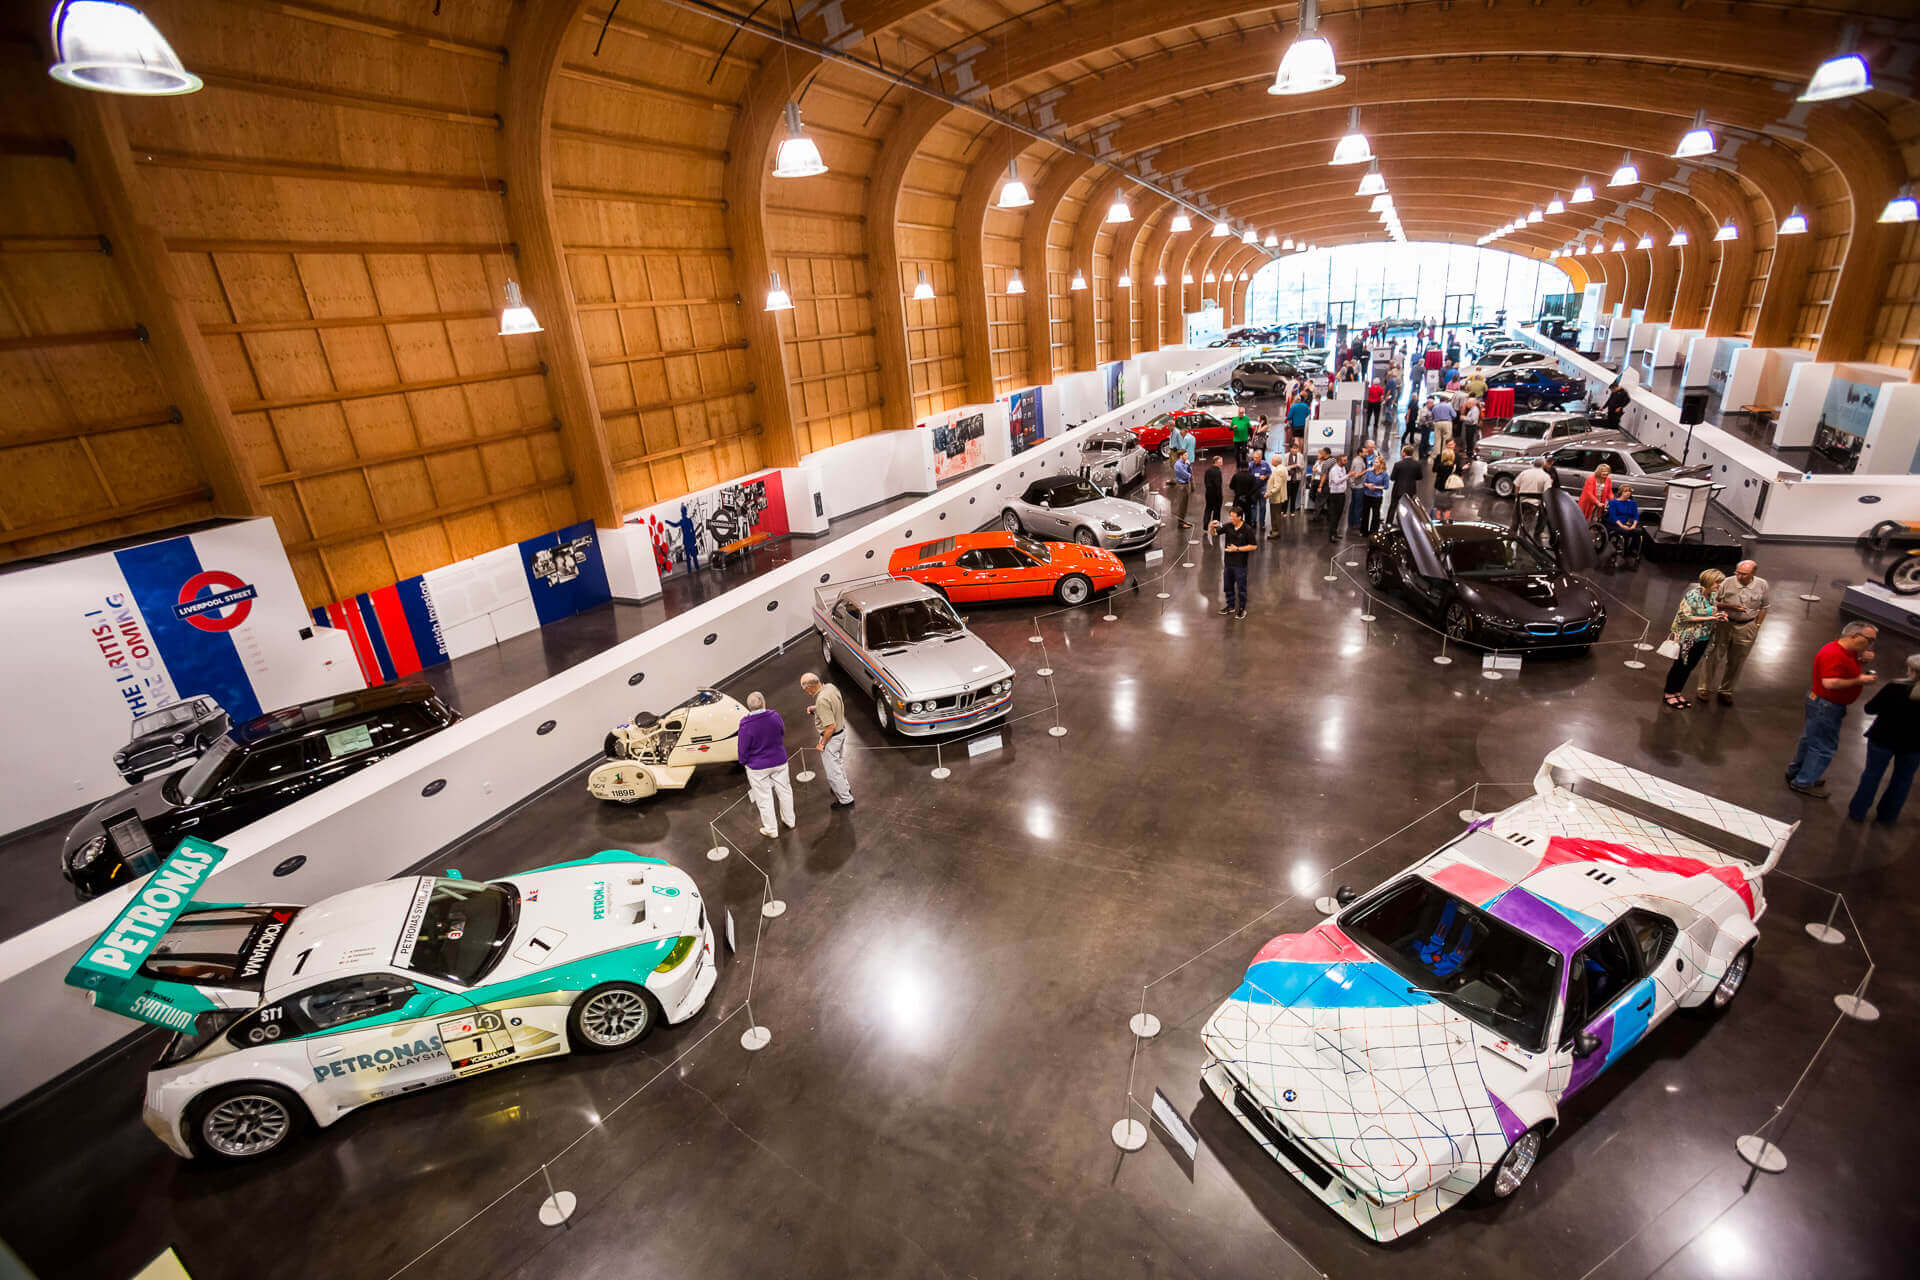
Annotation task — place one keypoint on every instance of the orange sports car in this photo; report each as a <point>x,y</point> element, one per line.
<point>1008,566</point>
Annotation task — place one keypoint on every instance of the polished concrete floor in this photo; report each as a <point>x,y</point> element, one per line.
<point>948,992</point>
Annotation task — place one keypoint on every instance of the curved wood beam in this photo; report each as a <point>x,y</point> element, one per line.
<point>1086,230</point>
<point>1873,169</point>
<point>528,83</point>
<point>1120,257</point>
<point>1153,253</point>
<point>1058,179</point>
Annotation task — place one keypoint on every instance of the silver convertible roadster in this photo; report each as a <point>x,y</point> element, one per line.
<point>1069,509</point>
<point>903,643</point>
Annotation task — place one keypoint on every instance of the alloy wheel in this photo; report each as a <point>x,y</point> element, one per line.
<point>1730,981</point>
<point>614,1018</point>
<point>249,1124</point>
<point>1516,1164</point>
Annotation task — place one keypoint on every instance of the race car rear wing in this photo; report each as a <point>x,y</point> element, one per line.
<point>1740,833</point>
<point>109,969</point>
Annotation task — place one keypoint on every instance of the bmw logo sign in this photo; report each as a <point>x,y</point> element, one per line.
<point>1289,1096</point>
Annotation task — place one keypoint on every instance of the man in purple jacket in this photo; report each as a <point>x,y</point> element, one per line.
<point>763,750</point>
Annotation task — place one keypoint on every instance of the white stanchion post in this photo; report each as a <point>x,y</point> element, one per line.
<point>940,770</point>
<point>558,1206</point>
<point>1366,610</point>
<point>719,851</point>
<point>1129,1134</point>
<point>805,774</point>
<point>1760,1153</point>
<point>1443,660</point>
<point>1811,595</point>
<point>1144,1025</point>
<point>1826,932</point>
<point>1854,1004</point>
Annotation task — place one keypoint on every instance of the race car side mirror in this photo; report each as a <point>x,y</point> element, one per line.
<point>453,873</point>
<point>1345,895</point>
<point>1585,1044</point>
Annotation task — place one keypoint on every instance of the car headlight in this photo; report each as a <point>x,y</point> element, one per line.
<point>681,950</point>
<point>1110,526</point>
<point>85,855</point>
<point>119,757</point>
<point>179,739</point>
<point>918,707</point>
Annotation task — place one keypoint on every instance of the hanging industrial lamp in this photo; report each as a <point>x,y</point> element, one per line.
<point>923,291</point>
<point>1582,194</point>
<point>1372,182</point>
<point>1118,211</point>
<point>1013,192</point>
<point>777,299</point>
<point>1838,77</point>
<point>1796,223</point>
<point>114,48</point>
<point>1015,284</point>
<point>1272,241</point>
<point>1181,222</point>
<point>1627,174</point>
<point>1679,239</point>
<point>1221,231</point>
<point>1159,279</point>
<point>1727,231</point>
<point>1697,141</point>
<point>1353,148</point>
<point>1556,205</point>
<point>1901,208</point>
<point>1079,281</point>
<point>1644,242</point>
<point>1308,65</point>
<point>1124,282</point>
<point>516,317</point>
<point>797,156</point>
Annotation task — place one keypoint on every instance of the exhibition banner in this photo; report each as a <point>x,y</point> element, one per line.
<point>1116,371</point>
<point>958,438</point>
<point>686,531</point>
<point>1026,425</point>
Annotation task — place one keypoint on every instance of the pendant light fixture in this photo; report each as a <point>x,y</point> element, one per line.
<point>1124,282</point>
<point>1679,239</point>
<point>1159,279</point>
<point>1186,277</point>
<point>1287,243</point>
<point>1013,192</point>
<point>114,48</point>
<point>1727,231</point>
<point>1272,241</point>
<point>777,299</point>
<point>1902,207</point>
<point>1556,205</point>
<point>1552,254</point>
<point>1372,183</point>
<point>923,292</point>
<point>1619,244</point>
<point>1079,280</point>
<point>1015,284</point>
<point>1249,236</point>
<point>1308,65</point>
<point>516,317</point>
<point>1840,76</point>
<point>1535,215</point>
<point>1582,194</point>
<point>1645,242</point>
<point>1579,249</point>
<point>1697,141</point>
<point>1181,222</point>
<point>1627,174</point>
<point>1381,201</point>
<point>1118,211</point>
<point>1208,278</point>
<point>1221,231</point>
<point>797,156</point>
<point>1353,148</point>
<point>1796,223</point>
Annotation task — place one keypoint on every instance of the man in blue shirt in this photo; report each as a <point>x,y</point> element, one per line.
<point>1297,414</point>
<point>1180,438</point>
<point>1262,473</point>
<point>1442,415</point>
<point>1180,489</point>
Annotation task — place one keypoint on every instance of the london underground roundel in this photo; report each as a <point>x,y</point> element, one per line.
<point>214,600</point>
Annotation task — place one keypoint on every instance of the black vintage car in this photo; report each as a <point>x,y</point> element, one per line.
<point>253,770</point>
<point>1489,587</point>
<point>178,731</point>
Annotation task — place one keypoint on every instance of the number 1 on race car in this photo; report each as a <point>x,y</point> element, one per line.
<point>477,1043</point>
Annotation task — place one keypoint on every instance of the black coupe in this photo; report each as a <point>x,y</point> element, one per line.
<point>1489,587</point>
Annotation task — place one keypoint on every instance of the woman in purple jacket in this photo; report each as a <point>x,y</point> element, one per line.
<point>763,750</point>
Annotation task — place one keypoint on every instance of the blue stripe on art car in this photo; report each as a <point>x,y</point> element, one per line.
<point>200,661</point>
<point>1346,985</point>
<point>371,620</point>
<point>1630,1019</point>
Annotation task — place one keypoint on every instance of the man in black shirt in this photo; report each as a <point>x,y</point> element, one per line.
<point>1236,548</point>
<point>1242,486</point>
<point>1617,400</point>
<point>1211,489</point>
<point>1405,478</point>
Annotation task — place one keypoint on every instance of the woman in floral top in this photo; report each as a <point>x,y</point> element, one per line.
<point>1692,628</point>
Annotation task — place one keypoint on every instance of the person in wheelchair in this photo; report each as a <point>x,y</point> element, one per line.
<point>1622,523</point>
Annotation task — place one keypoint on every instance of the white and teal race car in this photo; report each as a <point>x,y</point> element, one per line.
<point>285,1016</point>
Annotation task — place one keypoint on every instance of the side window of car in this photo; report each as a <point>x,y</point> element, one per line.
<point>974,561</point>
<point>267,765</point>
<point>1009,558</point>
<point>344,1000</point>
<point>1604,969</point>
<point>1653,936</point>
<point>1036,494</point>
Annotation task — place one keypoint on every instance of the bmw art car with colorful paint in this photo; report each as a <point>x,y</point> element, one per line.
<point>1414,1049</point>
<point>902,642</point>
<point>287,1016</point>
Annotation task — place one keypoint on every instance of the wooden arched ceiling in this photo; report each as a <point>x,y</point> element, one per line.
<point>299,315</point>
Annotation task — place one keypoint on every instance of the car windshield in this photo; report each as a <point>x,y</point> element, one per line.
<point>208,772</point>
<point>1463,957</point>
<point>911,623</point>
<point>1531,428</point>
<point>166,718</point>
<point>1073,494</point>
<point>1038,550</point>
<point>464,930</point>
<point>1653,461</point>
<point>1491,553</point>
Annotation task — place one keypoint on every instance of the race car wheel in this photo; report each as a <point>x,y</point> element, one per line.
<point>1511,1173</point>
<point>1238,386</point>
<point>244,1121</point>
<point>1459,621</point>
<point>1012,522</point>
<point>881,711</point>
<point>1166,449</point>
<point>612,1016</point>
<point>826,657</point>
<point>1073,589</point>
<point>1903,575</point>
<point>1376,567</point>
<point>1729,985</point>
<point>1503,486</point>
<point>1086,537</point>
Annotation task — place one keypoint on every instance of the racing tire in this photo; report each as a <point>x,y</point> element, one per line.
<point>1503,486</point>
<point>1012,522</point>
<point>1458,621</point>
<point>881,711</point>
<point>1511,1173</point>
<point>246,1120</point>
<point>612,1016</point>
<point>1903,575</point>
<point>1165,451</point>
<point>1086,537</point>
<point>1725,991</point>
<point>826,658</point>
<point>1238,386</point>
<point>1073,589</point>
<point>1378,572</point>
<point>611,747</point>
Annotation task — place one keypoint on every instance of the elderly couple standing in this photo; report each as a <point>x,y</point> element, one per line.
<point>763,751</point>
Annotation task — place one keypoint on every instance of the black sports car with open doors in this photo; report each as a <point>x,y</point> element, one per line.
<point>1490,587</point>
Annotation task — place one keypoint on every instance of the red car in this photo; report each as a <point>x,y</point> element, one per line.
<point>1208,432</point>
<point>1008,566</point>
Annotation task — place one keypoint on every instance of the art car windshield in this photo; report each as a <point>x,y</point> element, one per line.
<point>1449,949</point>
<point>461,931</point>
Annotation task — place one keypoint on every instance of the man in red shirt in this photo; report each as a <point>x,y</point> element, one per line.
<point>1376,393</point>
<point>1837,681</point>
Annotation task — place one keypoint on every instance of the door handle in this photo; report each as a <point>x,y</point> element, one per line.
<point>1647,1003</point>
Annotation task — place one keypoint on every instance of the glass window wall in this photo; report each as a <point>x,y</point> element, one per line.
<point>1360,283</point>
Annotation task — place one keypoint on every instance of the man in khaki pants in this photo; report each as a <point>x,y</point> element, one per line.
<point>1744,597</point>
<point>829,714</point>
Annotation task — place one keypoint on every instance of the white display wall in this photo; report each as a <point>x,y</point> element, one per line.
<point>92,640</point>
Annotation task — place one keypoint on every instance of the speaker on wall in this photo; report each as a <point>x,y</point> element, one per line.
<point>1693,408</point>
